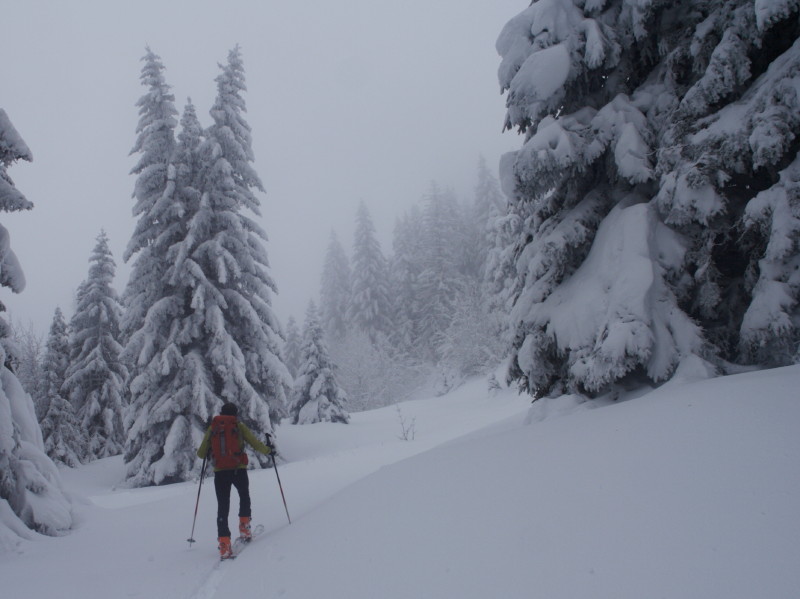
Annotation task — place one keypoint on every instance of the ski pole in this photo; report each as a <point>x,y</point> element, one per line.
<point>280,486</point>
<point>197,503</point>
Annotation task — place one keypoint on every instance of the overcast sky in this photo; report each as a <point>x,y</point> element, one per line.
<point>348,101</point>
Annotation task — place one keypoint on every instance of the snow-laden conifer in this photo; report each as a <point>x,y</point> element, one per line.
<point>406,265</point>
<point>12,148</point>
<point>64,438</point>
<point>335,289</point>
<point>155,303</point>
<point>656,133</point>
<point>317,396</point>
<point>499,231</point>
<point>186,162</point>
<point>292,348</point>
<point>154,194</point>
<point>155,143</point>
<point>159,217</point>
<point>441,279</point>
<point>95,378</point>
<point>490,209</point>
<point>28,363</point>
<point>471,344</point>
<point>152,301</point>
<point>487,205</point>
<point>31,495</point>
<point>221,340</point>
<point>370,306</point>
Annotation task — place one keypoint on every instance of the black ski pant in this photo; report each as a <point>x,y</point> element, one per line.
<point>223,480</point>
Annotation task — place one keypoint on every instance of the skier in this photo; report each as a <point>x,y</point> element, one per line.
<point>223,442</point>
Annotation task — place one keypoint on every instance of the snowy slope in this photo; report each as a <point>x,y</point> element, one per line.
<point>689,491</point>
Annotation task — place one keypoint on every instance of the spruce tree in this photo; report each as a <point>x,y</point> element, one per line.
<point>335,290</point>
<point>656,188</point>
<point>220,340</point>
<point>488,204</point>
<point>154,194</point>
<point>64,438</point>
<point>152,345</point>
<point>31,495</point>
<point>497,234</point>
<point>471,344</point>
<point>440,280</point>
<point>28,363</point>
<point>317,396</point>
<point>370,305</point>
<point>95,377</point>
<point>489,208</point>
<point>292,347</point>
<point>406,267</point>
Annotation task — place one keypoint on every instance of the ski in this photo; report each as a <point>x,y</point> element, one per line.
<point>240,543</point>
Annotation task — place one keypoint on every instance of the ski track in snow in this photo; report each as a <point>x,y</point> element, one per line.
<point>208,587</point>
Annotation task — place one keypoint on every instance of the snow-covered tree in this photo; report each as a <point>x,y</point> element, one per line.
<point>221,340</point>
<point>370,305</point>
<point>317,396</point>
<point>441,278</point>
<point>335,289</point>
<point>292,348</point>
<point>490,210</point>
<point>64,438</point>
<point>31,494</point>
<point>501,284</point>
<point>154,191</point>
<point>488,204</point>
<point>471,344</point>
<point>168,187</point>
<point>152,301</point>
<point>28,363</point>
<point>656,187</point>
<point>187,162</point>
<point>95,378</point>
<point>406,265</point>
<point>497,234</point>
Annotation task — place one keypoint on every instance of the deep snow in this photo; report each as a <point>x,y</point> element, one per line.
<point>688,491</point>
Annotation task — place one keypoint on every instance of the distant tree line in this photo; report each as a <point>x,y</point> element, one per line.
<point>428,312</point>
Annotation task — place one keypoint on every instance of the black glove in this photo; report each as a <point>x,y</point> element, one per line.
<point>268,443</point>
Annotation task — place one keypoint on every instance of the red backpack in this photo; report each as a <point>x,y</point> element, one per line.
<point>227,451</point>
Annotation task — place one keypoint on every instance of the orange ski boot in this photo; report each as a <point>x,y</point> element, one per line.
<point>244,528</point>
<point>225,550</point>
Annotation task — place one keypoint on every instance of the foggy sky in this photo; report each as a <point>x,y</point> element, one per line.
<point>348,101</point>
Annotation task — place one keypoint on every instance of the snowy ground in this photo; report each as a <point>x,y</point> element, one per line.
<point>690,491</point>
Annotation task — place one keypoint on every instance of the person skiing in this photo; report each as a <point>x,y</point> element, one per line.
<point>224,442</point>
